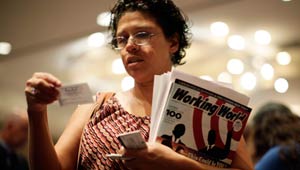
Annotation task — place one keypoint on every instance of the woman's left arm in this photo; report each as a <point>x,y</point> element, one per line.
<point>242,159</point>
<point>157,156</point>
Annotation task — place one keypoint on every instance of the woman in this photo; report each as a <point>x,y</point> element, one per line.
<point>151,37</point>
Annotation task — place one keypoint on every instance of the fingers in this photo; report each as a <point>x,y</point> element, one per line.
<point>122,150</point>
<point>43,80</point>
<point>134,157</point>
<point>42,88</point>
<point>48,77</point>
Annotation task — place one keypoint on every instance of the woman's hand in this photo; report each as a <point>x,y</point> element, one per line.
<point>160,157</point>
<point>155,156</point>
<point>40,90</point>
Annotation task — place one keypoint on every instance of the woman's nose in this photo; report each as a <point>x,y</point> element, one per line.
<point>130,45</point>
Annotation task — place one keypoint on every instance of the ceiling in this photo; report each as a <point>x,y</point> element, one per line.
<point>51,35</point>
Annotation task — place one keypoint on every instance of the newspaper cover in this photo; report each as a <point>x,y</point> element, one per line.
<point>197,118</point>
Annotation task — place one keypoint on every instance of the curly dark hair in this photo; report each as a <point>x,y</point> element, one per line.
<point>275,124</point>
<point>167,15</point>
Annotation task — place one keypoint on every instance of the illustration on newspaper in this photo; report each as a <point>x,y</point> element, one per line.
<point>197,118</point>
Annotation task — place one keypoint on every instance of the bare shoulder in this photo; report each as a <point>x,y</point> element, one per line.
<point>132,104</point>
<point>124,98</point>
<point>123,95</point>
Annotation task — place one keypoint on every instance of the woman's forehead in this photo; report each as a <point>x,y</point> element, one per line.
<point>136,20</point>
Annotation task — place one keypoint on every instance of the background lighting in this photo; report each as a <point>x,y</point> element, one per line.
<point>235,66</point>
<point>103,19</point>
<point>248,81</point>
<point>267,71</point>
<point>281,85</point>
<point>236,42</point>
<point>283,58</point>
<point>127,83</point>
<point>118,67</point>
<point>262,37</point>
<point>5,48</point>
<point>219,29</point>
<point>96,39</point>
<point>225,77</point>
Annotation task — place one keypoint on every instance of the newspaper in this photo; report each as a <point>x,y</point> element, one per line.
<point>197,118</point>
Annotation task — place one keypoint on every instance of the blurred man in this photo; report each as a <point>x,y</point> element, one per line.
<point>13,136</point>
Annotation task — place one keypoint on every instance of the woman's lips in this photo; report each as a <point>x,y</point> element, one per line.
<point>134,60</point>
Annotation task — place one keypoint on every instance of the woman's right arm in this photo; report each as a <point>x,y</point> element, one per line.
<point>40,90</point>
<point>42,153</point>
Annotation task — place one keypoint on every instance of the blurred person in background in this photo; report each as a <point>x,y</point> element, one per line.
<point>274,136</point>
<point>151,37</point>
<point>13,136</point>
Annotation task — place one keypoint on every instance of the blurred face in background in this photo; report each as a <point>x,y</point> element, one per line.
<point>18,132</point>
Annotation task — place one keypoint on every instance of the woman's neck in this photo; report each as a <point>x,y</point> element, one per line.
<point>143,92</point>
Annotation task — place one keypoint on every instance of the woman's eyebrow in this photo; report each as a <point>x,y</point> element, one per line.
<point>137,29</point>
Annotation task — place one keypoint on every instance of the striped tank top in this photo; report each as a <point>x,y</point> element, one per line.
<point>99,135</point>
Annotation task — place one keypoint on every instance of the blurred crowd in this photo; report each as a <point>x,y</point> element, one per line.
<point>273,137</point>
<point>13,138</point>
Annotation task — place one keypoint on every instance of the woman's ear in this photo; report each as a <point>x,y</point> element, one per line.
<point>174,43</point>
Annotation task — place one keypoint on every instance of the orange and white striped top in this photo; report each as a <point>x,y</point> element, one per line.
<point>99,135</point>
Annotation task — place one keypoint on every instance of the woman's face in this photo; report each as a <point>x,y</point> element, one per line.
<point>142,62</point>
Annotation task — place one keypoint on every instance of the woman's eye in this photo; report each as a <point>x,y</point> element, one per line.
<point>121,40</point>
<point>142,35</point>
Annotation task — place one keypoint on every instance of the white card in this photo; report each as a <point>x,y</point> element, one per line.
<point>75,94</point>
<point>132,140</point>
<point>115,156</point>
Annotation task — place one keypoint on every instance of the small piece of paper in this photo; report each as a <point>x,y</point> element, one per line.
<point>75,94</point>
<point>132,140</point>
<point>116,156</point>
